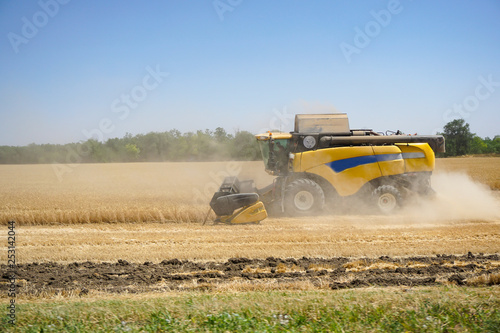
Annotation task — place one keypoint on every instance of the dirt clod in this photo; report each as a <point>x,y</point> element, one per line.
<point>174,274</point>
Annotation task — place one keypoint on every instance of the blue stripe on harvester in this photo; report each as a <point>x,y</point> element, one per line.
<point>347,163</point>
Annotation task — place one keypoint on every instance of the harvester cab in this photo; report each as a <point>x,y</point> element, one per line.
<point>324,161</point>
<point>275,149</point>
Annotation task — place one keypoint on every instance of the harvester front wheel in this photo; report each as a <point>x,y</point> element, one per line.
<point>304,197</point>
<point>387,198</point>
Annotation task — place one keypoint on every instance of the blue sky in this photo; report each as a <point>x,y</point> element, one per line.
<point>71,70</point>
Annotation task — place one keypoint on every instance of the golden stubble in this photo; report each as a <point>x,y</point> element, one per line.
<point>327,236</point>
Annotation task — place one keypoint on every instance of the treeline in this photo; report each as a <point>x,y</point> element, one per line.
<point>153,147</point>
<point>460,141</point>
<point>205,145</point>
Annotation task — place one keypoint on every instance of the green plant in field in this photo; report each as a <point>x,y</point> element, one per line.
<point>421,310</point>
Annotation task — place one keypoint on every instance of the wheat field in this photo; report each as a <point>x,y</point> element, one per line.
<point>115,192</point>
<point>485,170</point>
<point>146,192</point>
<point>97,244</point>
<point>154,211</point>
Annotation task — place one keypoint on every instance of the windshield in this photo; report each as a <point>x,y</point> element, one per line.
<point>280,145</point>
<point>279,157</point>
<point>264,149</point>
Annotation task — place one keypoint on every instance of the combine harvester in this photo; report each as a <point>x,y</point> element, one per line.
<point>323,160</point>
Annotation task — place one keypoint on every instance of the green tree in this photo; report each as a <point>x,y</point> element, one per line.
<point>478,146</point>
<point>493,146</point>
<point>221,135</point>
<point>96,150</point>
<point>173,145</point>
<point>458,138</point>
<point>496,144</point>
<point>132,151</point>
<point>244,146</point>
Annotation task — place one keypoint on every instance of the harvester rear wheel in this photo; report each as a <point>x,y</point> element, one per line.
<point>303,197</point>
<point>387,198</point>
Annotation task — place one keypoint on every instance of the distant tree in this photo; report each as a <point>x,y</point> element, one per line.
<point>493,145</point>
<point>132,151</point>
<point>221,135</point>
<point>97,151</point>
<point>458,138</point>
<point>496,144</point>
<point>478,146</point>
<point>173,145</point>
<point>175,133</point>
<point>148,146</point>
<point>244,146</point>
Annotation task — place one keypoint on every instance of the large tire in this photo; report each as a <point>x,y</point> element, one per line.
<point>304,197</point>
<point>387,198</point>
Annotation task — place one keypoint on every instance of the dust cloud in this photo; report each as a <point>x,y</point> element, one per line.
<point>457,197</point>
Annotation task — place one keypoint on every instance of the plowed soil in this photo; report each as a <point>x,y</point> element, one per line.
<point>177,275</point>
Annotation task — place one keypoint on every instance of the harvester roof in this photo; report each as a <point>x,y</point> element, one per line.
<point>333,123</point>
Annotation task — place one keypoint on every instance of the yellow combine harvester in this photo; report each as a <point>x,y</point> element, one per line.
<point>323,160</point>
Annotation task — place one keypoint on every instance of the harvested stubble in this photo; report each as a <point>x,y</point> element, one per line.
<point>329,236</point>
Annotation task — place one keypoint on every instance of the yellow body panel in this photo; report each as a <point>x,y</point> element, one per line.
<point>250,214</point>
<point>348,182</point>
<point>349,168</point>
<point>418,157</point>
<point>394,165</point>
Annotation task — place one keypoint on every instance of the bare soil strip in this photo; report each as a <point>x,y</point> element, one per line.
<point>317,273</point>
